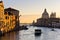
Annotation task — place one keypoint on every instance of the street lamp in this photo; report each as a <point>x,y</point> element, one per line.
<point>19,20</point>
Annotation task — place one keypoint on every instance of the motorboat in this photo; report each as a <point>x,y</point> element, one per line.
<point>37,32</point>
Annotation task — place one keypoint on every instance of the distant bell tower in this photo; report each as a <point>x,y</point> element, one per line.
<point>1,9</point>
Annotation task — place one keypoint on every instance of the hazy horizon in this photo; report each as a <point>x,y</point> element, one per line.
<point>33,9</point>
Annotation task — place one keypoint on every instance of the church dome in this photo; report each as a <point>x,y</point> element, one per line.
<point>45,14</point>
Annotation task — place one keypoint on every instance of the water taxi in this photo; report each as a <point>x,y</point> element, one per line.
<point>37,32</point>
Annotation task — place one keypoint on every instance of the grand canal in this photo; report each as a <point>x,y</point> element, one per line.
<point>47,34</point>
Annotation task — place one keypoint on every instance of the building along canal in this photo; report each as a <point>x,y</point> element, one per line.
<point>47,34</point>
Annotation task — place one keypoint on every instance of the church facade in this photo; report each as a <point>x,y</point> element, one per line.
<point>46,21</point>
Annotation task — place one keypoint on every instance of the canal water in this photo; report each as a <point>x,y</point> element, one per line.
<point>47,34</point>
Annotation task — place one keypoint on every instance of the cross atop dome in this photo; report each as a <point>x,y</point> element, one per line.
<point>45,10</point>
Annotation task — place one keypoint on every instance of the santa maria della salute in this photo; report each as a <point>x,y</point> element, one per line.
<point>46,15</point>
<point>9,18</point>
<point>48,21</point>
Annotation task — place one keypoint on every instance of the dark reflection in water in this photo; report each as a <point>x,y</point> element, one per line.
<point>37,37</point>
<point>10,36</point>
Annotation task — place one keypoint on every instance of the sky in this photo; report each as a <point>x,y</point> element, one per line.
<point>32,9</point>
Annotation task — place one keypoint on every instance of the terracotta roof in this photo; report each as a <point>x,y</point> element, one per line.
<point>1,1</point>
<point>10,9</point>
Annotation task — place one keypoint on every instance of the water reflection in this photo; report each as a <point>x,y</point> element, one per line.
<point>10,36</point>
<point>47,34</point>
<point>26,35</point>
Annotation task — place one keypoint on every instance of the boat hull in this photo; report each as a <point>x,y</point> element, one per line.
<point>38,32</point>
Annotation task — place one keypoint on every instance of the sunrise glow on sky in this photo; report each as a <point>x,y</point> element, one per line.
<point>33,9</point>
